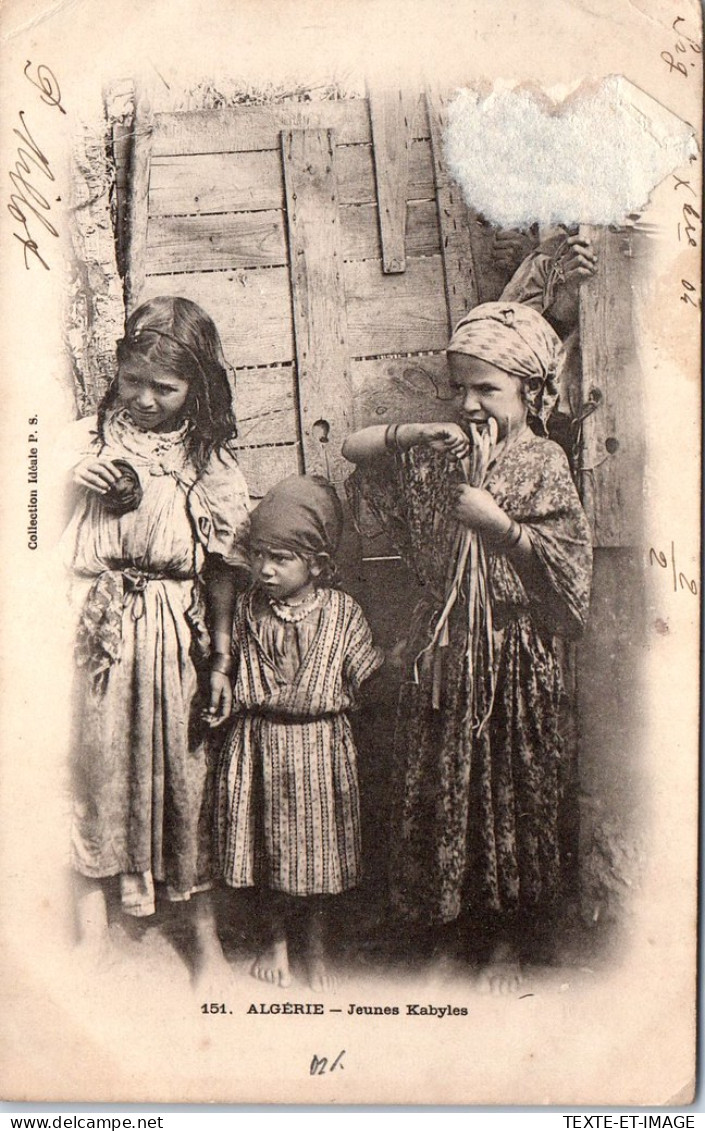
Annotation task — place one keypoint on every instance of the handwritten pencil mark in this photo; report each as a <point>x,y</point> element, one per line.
<point>319,1065</point>
<point>46,82</point>
<point>27,202</point>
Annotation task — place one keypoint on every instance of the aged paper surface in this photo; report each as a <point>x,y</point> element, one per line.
<point>613,1022</point>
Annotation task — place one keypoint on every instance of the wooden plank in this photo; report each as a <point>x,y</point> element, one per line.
<point>263,467</point>
<point>360,230</point>
<point>232,129</point>
<point>396,313</point>
<point>387,389</point>
<point>266,405</point>
<point>252,310</point>
<point>612,457</point>
<point>258,239</point>
<point>390,114</point>
<point>458,265</point>
<point>137,207</point>
<point>220,182</point>
<point>122,132</point>
<point>235,129</point>
<point>356,176</point>
<point>237,182</point>
<point>316,265</point>
<point>203,243</point>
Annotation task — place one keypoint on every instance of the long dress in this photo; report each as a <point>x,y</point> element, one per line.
<point>289,809</point>
<point>142,772</point>
<point>475,813</point>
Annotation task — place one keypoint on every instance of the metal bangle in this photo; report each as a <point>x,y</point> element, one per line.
<point>512,538</point>
<point>222,662</point>
<point>390,438</point>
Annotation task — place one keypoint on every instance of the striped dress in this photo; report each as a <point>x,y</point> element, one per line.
<point>288,798</point>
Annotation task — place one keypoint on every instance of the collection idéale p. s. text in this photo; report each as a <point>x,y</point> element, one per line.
<point>33,481</point>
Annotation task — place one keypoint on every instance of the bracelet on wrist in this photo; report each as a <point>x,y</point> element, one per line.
<point>222,662</point>
<point>390,438</point>
<point>512,537</point>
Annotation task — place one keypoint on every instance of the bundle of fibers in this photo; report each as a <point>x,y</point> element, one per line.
<point>471,561</point>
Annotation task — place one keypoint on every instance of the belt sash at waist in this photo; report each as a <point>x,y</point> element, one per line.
<point>277,715</point>
<point>99,635</point>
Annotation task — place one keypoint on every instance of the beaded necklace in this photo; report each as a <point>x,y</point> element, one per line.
<point>283,611</point>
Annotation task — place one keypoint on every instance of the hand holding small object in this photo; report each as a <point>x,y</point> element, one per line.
<point>476,508</point>
<point>577,261</point>
<point>221,700</point>
<point>447,437</point>
<point>98,475</point>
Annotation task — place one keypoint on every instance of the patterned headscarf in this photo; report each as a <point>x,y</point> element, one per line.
<point>302,513</point>
<point>517,339</point>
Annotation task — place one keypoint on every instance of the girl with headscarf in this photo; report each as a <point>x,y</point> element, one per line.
<point>501,550</point>
<point>288,805</point>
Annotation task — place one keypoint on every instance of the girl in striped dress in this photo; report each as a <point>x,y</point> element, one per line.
<point>289,820</point>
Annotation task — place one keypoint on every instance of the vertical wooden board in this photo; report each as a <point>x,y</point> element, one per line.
<point>262,467</point>
<point>391,112</point>
<point>137,207</point>
<point>318,295</point>
<point>456,247</point>
<point>122,143</point>
<point>612,457</point>
<point>611,701</point>
<point>265,403</point>
<point>356,174</point>
<point>361,230</point>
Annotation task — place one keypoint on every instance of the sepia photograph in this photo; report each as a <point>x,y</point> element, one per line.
<point>351,588</point>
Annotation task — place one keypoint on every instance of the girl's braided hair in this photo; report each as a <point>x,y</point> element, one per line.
<point>178,337</point>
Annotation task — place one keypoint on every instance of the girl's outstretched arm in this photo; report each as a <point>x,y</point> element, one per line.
<point>380,439</point>
<point>365,444</point>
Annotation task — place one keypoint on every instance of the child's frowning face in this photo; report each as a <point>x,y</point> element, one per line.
<point>282,574</point>
<point>487,392</point>
<point>154,398</point>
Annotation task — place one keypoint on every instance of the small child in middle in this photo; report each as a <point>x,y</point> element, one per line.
<point>288,804</point>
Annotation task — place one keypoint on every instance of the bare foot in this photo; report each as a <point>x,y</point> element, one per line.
<point>272,966</point>
<point>95,948</point>
<point>320,977</point>
<point>96,952</point>
<point>211,972</point>
<point>502,975</point>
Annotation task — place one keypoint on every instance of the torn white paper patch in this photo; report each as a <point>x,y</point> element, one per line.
<point>594,159</point>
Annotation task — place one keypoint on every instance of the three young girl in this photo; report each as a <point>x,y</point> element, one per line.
<point>478,749</point>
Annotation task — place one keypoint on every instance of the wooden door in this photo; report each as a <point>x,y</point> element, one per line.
<point>330,247</point>
<point>334,252</point>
